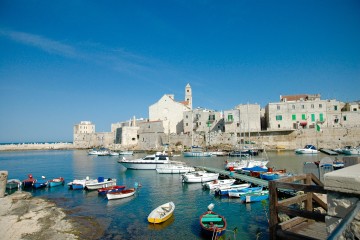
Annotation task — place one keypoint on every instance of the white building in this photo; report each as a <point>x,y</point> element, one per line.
<point>170,112</point>
<point>302,111</point>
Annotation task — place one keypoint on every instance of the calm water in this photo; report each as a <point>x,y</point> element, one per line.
<point>127,218</point>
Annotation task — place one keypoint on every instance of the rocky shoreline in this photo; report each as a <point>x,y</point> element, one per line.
<point>25,217</point>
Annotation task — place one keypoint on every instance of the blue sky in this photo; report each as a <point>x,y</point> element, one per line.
<point>62,62</point>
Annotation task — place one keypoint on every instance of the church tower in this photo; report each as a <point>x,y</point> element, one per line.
<point>188,95</point>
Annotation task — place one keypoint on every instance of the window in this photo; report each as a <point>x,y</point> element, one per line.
<point>211,117</point>
<point>293,117</point>
<point>293,106</point>
<point>187,124</point>
<point>186,116</point>
<point>230,118</point>
<point>278,125</point>
<point>312,105</point>
<point>320,105</point>
<point>278,117</point>
<point>313,117</point>
<point>344,117</point>
<point>335,108</point>
<point>303,106</point>
<point>321,116</point>
<point>278,107</point>
<point>303,116</point>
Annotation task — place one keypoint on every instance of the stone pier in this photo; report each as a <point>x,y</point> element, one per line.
<point>343,195</point>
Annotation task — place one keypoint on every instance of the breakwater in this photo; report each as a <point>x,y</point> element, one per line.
<point>36,146</point>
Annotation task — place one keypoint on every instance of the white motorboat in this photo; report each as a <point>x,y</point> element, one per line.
<point>150,162</point>
<point>99,152</point>
<point>352,151</point>
<point>100,183</point>
<point>308,149</point>
<point>111,153</point>
<point>217,183</point>
<point>224,190</point>
<point>122,194</point>
<point>127,153</point>
<point>174,167</point>
<point>240,164</point>
<point>199,177</point>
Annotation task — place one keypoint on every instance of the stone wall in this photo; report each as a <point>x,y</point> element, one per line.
<point>343,194</point>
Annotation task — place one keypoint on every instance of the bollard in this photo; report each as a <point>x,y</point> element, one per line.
<point>3,181</point>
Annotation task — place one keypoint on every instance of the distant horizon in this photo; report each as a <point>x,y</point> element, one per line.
<point>71,61</point>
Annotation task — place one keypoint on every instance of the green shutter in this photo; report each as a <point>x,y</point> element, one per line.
<point>313,117</point>
<point>321,117</point>
<point>303,116</point>
<point>294,117</point>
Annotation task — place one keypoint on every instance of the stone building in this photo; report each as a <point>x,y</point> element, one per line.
<point>151,135</point>
<point>86,137</point>
<point>302,111</point>
<point>250,117</point>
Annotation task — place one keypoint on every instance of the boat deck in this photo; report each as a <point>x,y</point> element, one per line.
<point>242,177</point>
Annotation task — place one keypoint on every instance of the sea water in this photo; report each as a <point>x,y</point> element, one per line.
<point>127,218</point>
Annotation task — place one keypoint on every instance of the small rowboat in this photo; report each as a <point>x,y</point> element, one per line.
<point>27,183</point>
<point>123,194</point>
<point>13,183</point>
<point>40,183</point>
<point>111,189</point>
<point>162,213</point>
<point>255,197</point>
<point>56,182</point>
<point>212,224</point>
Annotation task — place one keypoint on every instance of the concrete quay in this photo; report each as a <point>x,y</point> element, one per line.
<point>37,146</point>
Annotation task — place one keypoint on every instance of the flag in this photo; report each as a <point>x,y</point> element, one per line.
<point>317,127</point>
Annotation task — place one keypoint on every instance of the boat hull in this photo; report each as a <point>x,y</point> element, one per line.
<point>200,178</point>
<point>96,184</point>
<point>197,154</point>
<point>162,213</point>
<point>212,224</point>
<point>120,195</point>
<point>56,182</point>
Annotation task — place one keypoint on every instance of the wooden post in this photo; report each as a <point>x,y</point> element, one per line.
<point>3,181</point>
<point>273,200</point>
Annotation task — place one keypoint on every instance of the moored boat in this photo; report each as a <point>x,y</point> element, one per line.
<point>101,182</point>
<point>99,152</point>
<point>40,183</point>
<point>212,224</point>
<point>56,182</point>
<point>240,192</point>
<point>115,188</point>
<point>352,151</point>
<point>199,177</point>
<point>196,152</point>
<point>78,184</point>
<point>27,183</point>
<point>223,191</point>
<point>308,149</point>
<point>126,153</point>
<point>150,162</point>
<point>161,213</point>
<point>174,167</point>
<point>218,183</point>
<point>255,197</point>
<point>122,194</point>
<point>13,184</point>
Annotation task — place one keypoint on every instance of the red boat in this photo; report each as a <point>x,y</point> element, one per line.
<point>111,189</point>
<point>27,183</point>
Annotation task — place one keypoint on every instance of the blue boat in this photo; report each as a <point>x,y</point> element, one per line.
<point>212,224</point>
<point>40,183</point>
<point>269,176</point>
<point>239,192</point>
<point>255,197</point>
<point>56,182</point>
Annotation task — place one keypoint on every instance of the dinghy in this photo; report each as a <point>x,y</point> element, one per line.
<point>162,213</point>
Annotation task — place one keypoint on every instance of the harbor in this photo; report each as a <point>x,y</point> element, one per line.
<point>245,221</point>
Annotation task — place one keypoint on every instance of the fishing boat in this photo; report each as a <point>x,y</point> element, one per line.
<point>101,182</point>
<point>13,184</point>
<point>40,183</point>
<point>150,162</point>
<point>196,151</point>
<point>255,197</point>
<point>161,213</point>
<point>27,183</point>
<point>218,183</point>
<point>174,167</point>
<point>122,194</point>
<point>352,151</point>
<point>78,184</point>
<point>308,149</point>
<point>236,193</point>
<point>212,224</point>
<point>111,153</point>
<point>115,188</point>
<point>223,191</point>
<point>56,182</point>
<point>199,177</point>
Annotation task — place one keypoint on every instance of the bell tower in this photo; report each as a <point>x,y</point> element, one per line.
<point>188,96</point>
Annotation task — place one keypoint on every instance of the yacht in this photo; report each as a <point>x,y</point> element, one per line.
<point>308,149</point>
<point>150,162</point>
<point>99,152</point>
